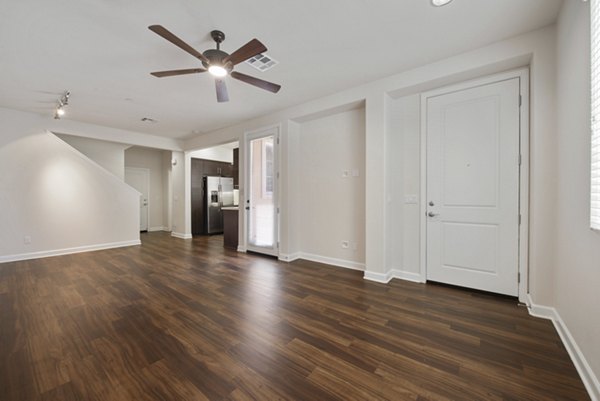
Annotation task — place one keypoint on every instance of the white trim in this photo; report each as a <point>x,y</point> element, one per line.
<point>240,248</point>
<point>284,257</point>
<point>348,264</point>
<point>159,228</point>
<point>583,367</point>
<point>379,277</point>
<point>523,75</point>
<point>394,273</point>
<point>67,251</point>
<point>181,235</point>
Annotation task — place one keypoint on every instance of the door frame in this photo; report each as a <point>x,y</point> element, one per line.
<point>268,130</point>
<point>523,75</point>
<point>146,171</point>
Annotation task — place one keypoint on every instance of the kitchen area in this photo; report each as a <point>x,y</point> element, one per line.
<point>215,192</point>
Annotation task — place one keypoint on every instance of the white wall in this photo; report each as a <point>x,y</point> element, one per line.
<point>167,189</point>
<point>109,155</point>
<point>536,49</point>
<point>151,159</point>
<point>179,224</point>
<point>576,256</point>
<point>54,195</point>
<point>332,206</point>
<point>402,179</point>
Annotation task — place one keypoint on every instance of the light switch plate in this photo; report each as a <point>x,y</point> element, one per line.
<point>411,199</point>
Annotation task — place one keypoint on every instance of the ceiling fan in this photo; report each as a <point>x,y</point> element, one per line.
<point>217,62</point>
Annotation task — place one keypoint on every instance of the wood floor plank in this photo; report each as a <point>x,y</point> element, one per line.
<point>190,320</point>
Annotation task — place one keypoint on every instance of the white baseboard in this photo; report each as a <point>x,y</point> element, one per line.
<point>408,276</point>
<point>583,368</point>
<point>348,264</point>
<point>393,273</point>
<point>379,277</point>
<point>67,251</point>
<point>240,248</point>
<point>160,228</point>
<point>181,235</point>
<point>284,257</point>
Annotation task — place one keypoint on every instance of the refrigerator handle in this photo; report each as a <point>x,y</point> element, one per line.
<point>220,189</point>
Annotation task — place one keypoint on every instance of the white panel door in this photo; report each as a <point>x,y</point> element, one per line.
<point>139,178</point>
<point>473,187</point>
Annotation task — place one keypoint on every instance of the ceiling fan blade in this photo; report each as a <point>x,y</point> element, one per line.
<point>250,49</point>
<point>222,95</point>
<point>269,86</point>
<point>161,74</point>
<point>162,31</point>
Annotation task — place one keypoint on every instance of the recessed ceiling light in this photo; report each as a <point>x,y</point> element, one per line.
<point>439,3</point>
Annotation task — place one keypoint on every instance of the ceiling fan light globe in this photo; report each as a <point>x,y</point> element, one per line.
<point>440,3</point>
<point>60,112</point>
<point>217,70</point>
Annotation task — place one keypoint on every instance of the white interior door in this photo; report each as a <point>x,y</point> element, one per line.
<point>139,178</point>
<point>261,193</point>
<point>473,187</point>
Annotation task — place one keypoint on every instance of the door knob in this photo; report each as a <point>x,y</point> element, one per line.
<point>431,203</point>
<point>431,214</point>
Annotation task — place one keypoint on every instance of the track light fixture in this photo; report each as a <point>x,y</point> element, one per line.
<point>62,102</point>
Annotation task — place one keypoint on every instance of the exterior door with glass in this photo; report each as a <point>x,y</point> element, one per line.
<point>261,192</point>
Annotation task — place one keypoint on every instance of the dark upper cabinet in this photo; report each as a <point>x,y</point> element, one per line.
<point>235,173</point>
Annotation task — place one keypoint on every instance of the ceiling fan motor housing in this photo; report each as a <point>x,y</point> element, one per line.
<point>215,57</point>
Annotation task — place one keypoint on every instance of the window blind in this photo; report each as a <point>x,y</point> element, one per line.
<point>595,176</point>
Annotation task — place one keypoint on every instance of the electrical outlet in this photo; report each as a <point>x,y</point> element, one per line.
<point>345,244</point>
<point>27,240</point>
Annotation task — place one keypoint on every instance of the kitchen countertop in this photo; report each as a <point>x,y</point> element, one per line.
<point>230,208</point>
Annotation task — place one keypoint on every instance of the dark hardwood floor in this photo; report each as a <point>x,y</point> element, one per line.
<point>188,320</point>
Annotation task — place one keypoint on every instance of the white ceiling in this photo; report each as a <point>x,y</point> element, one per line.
<point>102,51</point>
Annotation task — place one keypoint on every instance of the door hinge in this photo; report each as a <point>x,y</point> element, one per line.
<point>277,210</point>
<point>519,277</point>
<point>278,174</point>
<point>520,100</point>
<point>519,219</point>
<point>520,160</point>
<point>277,140</point>
<point>277,244</point>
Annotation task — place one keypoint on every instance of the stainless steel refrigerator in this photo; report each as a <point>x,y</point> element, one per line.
<point>218,192</point>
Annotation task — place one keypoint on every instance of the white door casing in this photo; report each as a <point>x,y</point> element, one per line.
<point>139,178</point>
<point>472,187</point>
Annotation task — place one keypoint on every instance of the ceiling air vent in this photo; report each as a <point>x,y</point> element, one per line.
<point>262,62</point>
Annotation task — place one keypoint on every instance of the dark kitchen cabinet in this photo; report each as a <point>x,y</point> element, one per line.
<point>235,173</point>
<point>230,228</point>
